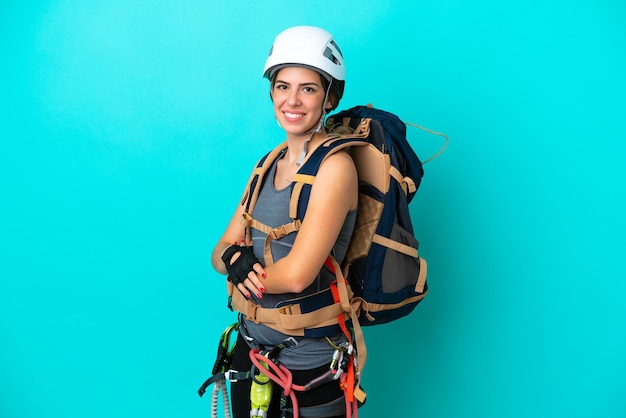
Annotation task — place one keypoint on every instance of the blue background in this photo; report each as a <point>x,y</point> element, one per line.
<point>128,129</point>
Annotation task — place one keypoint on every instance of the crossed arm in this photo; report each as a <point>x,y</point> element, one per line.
<point>333,195</point>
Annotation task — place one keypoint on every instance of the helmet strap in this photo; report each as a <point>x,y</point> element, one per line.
<point>303,154</point>
<point>317,130</point>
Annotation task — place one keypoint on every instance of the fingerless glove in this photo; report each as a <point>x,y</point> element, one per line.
<point>238,271</point>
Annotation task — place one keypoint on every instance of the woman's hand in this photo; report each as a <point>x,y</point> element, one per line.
<point>244,270</point>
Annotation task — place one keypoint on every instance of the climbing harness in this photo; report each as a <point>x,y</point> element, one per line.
<point>342,365</point>
<point>267,371</point>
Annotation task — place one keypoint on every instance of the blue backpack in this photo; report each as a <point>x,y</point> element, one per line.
<point>385,275</point>
<point>382,265</point>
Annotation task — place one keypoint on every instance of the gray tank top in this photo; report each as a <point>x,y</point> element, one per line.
<point>272,209</point>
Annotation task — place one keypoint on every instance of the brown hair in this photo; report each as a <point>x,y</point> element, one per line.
<point>335,93</point>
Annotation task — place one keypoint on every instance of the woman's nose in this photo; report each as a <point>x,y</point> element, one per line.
<point>294,99</point>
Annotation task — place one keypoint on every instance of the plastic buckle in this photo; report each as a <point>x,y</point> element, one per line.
<point>251,312</point>
<point>278,232</point>
<point>285,310</point>
<point>230,375</point>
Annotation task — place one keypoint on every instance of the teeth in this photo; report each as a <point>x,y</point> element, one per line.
<point>293,115</point>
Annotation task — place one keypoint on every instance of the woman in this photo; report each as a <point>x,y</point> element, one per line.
<point>307,75</point>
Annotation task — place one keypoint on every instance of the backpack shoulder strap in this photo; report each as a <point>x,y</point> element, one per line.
<point>251,192</point>
<point>253,187</point>
<point>304,179</point>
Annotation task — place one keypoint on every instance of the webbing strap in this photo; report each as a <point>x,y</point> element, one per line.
<point>299,181</point>
<point>277,233</point>
<point>340,292</point>
<point>421,280</point>
<point>329,409</point>
<point>249,221</point>
<point>270,233</point>
<point>347,380</point>
<point>395,245</point>
<point>411,252</point>
<point>257,174</point>
<point>289,319</point>
<point>303,178</point>
<point>377,307</point>
<point>407,183</point>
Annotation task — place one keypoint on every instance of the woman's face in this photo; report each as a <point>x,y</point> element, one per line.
<point>298,97</point>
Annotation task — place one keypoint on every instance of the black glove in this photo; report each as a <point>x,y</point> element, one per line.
<point>244,264</point>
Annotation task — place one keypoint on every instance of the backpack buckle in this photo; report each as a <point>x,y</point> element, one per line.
<point>278,232</point>
<point>286,229</point>
<point>251,312</point>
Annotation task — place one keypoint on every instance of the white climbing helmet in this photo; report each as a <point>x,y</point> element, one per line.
<point>306,46</point>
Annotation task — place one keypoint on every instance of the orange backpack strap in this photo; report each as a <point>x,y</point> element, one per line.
<point>343,295</point>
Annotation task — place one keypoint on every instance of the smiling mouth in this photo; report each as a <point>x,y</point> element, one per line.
<point>293,116</point>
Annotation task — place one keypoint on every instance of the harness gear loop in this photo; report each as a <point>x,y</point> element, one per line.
<point>221,372</point>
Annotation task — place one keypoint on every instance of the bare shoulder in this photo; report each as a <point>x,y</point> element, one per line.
<point>337,178</point>
<point>338,163</point>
